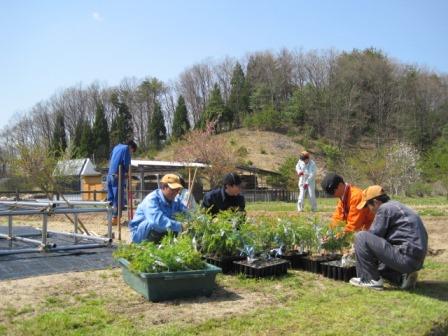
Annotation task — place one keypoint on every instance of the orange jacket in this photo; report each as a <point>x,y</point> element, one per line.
<point>356,220</point>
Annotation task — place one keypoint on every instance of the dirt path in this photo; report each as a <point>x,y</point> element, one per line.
<point>121,299</point>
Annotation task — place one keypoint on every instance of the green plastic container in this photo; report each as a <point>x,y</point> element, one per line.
<point>171,285</point>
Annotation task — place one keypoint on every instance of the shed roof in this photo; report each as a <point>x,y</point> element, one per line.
<point>77,167</point>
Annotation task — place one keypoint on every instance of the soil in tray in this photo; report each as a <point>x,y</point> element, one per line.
<point>262,268</point>
<point>335,270</point>
<point>313,263</point>
<point>298,260</point>
<point>225,262</point>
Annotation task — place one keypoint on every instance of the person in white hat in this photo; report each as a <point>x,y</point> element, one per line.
<point>155,214</point>
<point>395,245</point>
<point>306,170</point>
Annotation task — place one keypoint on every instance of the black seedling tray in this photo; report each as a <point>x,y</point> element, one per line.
<point>334,270</point>
<point>225,262</point>
<point>262,267</point>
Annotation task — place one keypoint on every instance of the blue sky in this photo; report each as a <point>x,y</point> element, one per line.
<point>48,45</point>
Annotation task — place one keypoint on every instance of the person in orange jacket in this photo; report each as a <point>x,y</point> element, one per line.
<point>346,209</point>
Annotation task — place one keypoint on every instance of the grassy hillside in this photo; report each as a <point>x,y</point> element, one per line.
<point>266,150</point>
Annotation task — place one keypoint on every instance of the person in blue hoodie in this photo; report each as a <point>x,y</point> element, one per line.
<point>154,217</point>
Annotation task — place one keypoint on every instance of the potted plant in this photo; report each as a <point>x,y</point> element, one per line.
<point>292,237</point>
<point>170,270</point>
<point>259,239</point>
<point>336,242</point>
<point>317,237</point>
<point>218,238</point>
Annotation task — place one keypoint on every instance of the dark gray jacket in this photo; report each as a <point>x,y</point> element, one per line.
<point>402,227</point>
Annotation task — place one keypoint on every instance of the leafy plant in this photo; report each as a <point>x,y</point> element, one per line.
<point>219,235</point>
<point>336,239</point>
<point>173,254</point>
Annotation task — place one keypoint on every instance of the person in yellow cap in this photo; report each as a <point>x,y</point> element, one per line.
<point>395,245</point>
<point>155,214</point>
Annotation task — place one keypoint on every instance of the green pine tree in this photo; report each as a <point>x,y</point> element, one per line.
<point>215,109</point>
<point>86,146</point>
<point>181,125</point>
<point>238,103</point>
<point>156,128</point>
<point>59,140</point>
<point>295,108</point>
<point>76,142</point>
<point>100,134</point>
<point>121,129</point>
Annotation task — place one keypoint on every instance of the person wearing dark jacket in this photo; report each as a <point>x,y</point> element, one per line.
<point>226,197</point>
<point>395,245</point>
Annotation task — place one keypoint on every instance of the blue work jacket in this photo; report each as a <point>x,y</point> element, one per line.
<point>120,156</point>
<point>155,213</point>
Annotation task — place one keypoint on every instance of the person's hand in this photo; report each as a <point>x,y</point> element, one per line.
<point>305,186</point>
<point>184,226</point>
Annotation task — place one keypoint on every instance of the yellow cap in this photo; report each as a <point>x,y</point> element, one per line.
<point>172,180</point>
<point>370,193</point>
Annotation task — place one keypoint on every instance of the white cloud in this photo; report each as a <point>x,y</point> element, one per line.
<point>97,17</point>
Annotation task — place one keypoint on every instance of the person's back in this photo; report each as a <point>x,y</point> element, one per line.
<point>120,155</point>
<point>395,246</point>
<point>403,227</point>
<point>347,212</point>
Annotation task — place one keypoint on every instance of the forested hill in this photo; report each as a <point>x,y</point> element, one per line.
<point>338,100</point>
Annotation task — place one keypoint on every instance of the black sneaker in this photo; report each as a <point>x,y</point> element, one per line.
<point>409,280</point>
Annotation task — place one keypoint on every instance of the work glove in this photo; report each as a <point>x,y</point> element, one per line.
<point>305,186</point>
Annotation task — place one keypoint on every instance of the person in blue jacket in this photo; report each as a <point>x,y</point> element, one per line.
<point>155,214</point>
<point>121,155</point>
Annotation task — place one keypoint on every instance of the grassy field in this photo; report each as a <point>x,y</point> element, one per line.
<point>300,303</point>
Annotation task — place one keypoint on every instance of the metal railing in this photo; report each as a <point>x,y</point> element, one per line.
<point>251,195</point>
<point>45,209</point>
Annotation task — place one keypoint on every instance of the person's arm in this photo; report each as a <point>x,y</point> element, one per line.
<point>160,222</point>
<point>242,204</point>
<point>338,214</point>
<point>299,168</point>
<point>207,201</point>
<point>127,159</point>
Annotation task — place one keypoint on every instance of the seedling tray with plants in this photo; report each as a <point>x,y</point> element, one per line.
<point>225,262</point>
<point>171,270</point>
<point>171,285</point>
<point>296,259</point>
<point>336,271</point>
<point>313,262</point>
<point>262,267</point>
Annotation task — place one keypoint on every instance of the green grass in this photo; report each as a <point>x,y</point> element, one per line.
<point>430,204</point>
<point>302,303</point>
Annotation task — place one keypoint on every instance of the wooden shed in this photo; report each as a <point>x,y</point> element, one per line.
<point>80,174</point>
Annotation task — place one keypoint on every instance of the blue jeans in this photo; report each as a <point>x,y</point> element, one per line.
<point>112,192</point>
